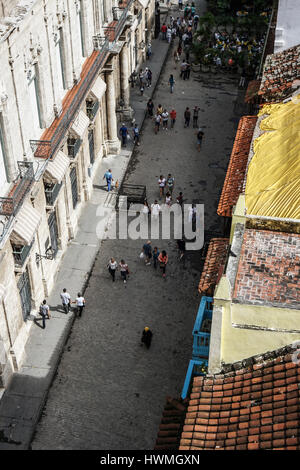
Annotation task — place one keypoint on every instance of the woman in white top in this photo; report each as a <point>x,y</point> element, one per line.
<point>124,270</point>
<point>168,199</point>
<point>146,210</point>
<point>112,266</point>
<point>155,209</point>
<point>161,184</point>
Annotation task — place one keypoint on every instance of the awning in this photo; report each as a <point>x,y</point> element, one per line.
<point>57,168</point>
<point>98,89</point>
<point>25,225</point>
<point>80,124</point>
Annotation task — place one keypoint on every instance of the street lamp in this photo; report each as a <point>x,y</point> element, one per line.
<point>49,254</point>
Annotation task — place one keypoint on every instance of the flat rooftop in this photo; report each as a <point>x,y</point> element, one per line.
<point>269,269</point>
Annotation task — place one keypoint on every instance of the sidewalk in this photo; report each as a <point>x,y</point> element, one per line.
<point>23,401</point>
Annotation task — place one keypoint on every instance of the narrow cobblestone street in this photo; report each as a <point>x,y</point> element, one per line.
<point>109,392</point>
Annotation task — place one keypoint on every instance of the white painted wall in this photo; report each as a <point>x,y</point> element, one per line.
<point>287,32</point>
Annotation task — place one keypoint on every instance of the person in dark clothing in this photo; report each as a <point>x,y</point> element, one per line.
<point>150,107</point>
<point>187,117</point>
<point>181,247</point>
<point>195,116</point>
<point>147,337</point>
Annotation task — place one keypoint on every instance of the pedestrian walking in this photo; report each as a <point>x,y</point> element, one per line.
<point>124,133</point>
<point>65,300</point>
<point>141,77</point>
<point>173,117</point>
<point>147,250</point>
<point>170,183</point>
<point>179,199</point>
<point>142,88</point>
<point>181,247</point>
<point>192,213</point>
<point>200,135</point>
<point>149,52</point>
<point>159,109</point>
<point>112,266</point>
<point>163,260</point>
<point>195,116</point>
<point>157,120</point>
<point>171,83</point>
<point>161,184</point>
<point>147,337</point>
<point>168,199</point>
<point>44,312</point>
<point>124,270</point>
<point>150,107</point>
<point>183,69</point>
<point>149,78</point>
<point>187,117</point>
<point>80,303</point>
<point>155,255</point>
<point>108,177</point>
<point>155,209</point>
<point>136,135</point>
<point>180,4</point>
<point>146,209</point>
<point>164,31</point>
<point>196,21</point>
<point>165,118</point>
<point>176,58</point>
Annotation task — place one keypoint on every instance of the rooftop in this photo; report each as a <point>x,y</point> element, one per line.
<point>251,405</point>
<point>214,264</point>
<point>269,269</point>
<point>281,75</point>
<point>234,180</point>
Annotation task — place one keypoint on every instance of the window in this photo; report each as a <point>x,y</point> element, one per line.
<point>52,223</point>
<point>74,189</point>
<point>60,63</point>
<point>35,102</point>
<point>80,25</point>
<point>25,293</point>
<point>91,146</point>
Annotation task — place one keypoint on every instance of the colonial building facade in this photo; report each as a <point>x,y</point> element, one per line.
<point>63,88</point>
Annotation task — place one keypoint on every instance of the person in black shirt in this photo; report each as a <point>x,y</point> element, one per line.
<point>147,337</point>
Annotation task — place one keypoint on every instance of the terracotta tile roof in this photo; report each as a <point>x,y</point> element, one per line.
<point>281,72</point>
<point>252,91</point>
<point>171,425</point>
<point>249,406</point>
<point>269,269</point>
<point>214,265</point>
<point>234,180</point>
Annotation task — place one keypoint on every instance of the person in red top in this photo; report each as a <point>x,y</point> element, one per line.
<point>163,259</point>
<point>164,31</point>
<point>173,117</point>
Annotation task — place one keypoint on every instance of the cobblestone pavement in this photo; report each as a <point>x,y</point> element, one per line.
<point>109,392</point>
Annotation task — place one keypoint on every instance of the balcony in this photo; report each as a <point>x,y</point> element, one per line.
<point>9,205</point>
<point>113,31</point>
<point>92,109</point>
<point>20,254</point>
<point>51,192</point>
<point>73,146</point>
<point>201,331</point>
<point>54,136</point>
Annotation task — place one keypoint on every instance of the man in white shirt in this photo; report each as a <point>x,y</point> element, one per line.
<point>80,302</point>
<point>155,209</point>
<point>65,299</point>
<point>45,312</point>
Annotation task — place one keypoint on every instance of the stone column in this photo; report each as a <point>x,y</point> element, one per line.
<point>125,90</point>
<point>114,144</point>
<point>10,163</point>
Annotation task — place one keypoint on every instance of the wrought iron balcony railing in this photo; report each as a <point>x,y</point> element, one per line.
<point>47,148</point>
<point>73,146</point>
<point>20,253</point>
<point>91,109</point>
<point>201,331</point>
<point>9,205</point>
<point>51,193</point>
<point>113,32</point>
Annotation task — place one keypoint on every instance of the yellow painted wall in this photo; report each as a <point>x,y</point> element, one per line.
<point>238,215</point>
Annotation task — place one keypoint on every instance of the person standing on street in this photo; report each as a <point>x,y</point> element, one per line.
<point>147,252</point>
<point>155,255</point>
<point>195,116</point>
<point>164,31</point>
<point>173,117</point>
<point>179,199</point>
<point>65,300</point>
<point>147,337</point>
<point>187,117</point>
<point>170,183</point>
<point>124,270</point>
<point>80,302</point>
<point>165,117</point>
<point>124,133</point>
<point>181,247</point>
<point>180,4</point>
<point>150,107</point>
<point>200,135</point>
<point>149,52</point>
<point>161,184</point>
<point>155,210</point>
<point>149,78</point>
<point>45,312</point>
<point>171,83</point>
<point>108,177</point>
<point>187,70</point>
<point>157,120</point>
<point>112,266</point>
<point>163,259</point>
<point>136,135</point>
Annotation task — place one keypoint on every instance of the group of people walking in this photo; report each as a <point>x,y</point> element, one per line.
<point>66,301</point>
